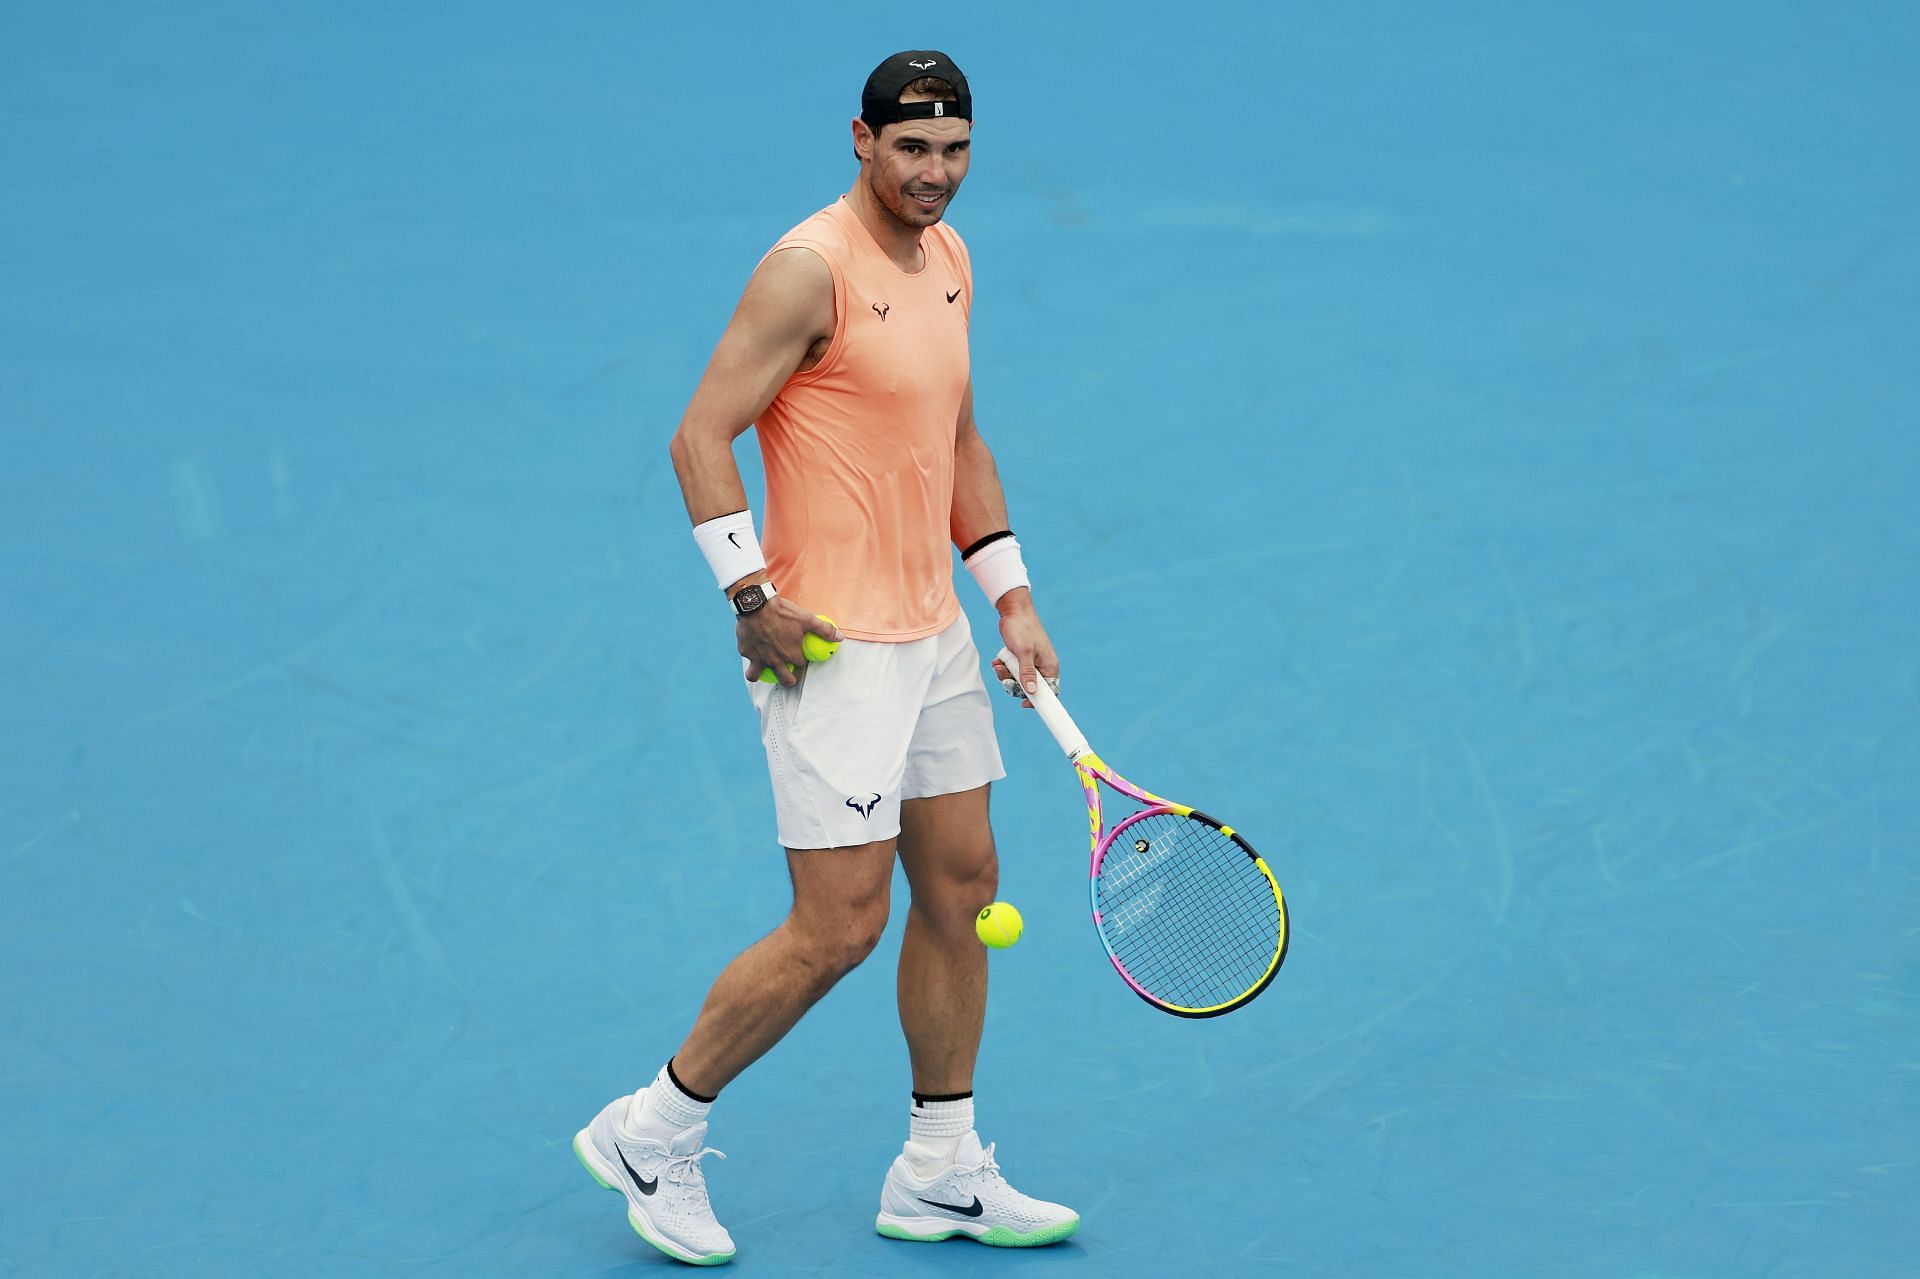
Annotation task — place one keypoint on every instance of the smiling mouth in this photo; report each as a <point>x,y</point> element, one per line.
<point>926,201</point>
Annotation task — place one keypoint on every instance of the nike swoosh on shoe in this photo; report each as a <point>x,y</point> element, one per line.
<point>646,1187</point>
<point>973,1209</point>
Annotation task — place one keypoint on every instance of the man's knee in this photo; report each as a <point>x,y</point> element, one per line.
<point>979,877</point>
<point>964,879</point>
<point>840,927</point>
<point>838,946</point>
<point>860,930</point>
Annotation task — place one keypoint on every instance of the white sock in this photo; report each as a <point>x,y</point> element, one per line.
<point>934,1130</point>
<point>665,1109</point>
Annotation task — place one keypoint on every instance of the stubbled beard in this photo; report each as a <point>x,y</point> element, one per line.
<point>879,197</point>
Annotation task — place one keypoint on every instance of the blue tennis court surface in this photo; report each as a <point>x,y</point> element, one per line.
<point>1471,449</point>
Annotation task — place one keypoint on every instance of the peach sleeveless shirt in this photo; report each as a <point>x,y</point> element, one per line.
<point>859,449</point>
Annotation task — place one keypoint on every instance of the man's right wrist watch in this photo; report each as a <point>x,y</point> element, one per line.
<point>752,597</point>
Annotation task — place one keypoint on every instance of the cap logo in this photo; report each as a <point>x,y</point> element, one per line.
<point>939,108</point>
<point>922,66</point>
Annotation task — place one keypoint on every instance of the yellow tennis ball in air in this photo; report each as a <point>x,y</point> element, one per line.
<point>998,925</point>
<point>812,646</point>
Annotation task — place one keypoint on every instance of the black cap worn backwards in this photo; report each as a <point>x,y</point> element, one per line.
<point>880,103</point>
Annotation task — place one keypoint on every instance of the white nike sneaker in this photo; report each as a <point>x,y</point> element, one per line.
<point>665,1189</point>
<point>968,1197</point>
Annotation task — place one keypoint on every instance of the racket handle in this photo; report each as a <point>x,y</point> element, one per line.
<point>1052,713</point>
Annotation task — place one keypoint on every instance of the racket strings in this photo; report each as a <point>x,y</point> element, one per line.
<point>1186,911</point>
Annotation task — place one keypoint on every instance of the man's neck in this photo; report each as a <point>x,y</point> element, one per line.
<point>897,240</point>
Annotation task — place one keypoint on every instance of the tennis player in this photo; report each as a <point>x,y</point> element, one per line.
<point>849,350</point>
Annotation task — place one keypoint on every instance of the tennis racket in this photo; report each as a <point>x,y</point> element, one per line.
<point>1189,913</point>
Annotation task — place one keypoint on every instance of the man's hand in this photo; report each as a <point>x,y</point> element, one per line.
<point>1026,639</point>
<point>769,638</point>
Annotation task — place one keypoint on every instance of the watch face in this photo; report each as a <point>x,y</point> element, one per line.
<point>749,599</point>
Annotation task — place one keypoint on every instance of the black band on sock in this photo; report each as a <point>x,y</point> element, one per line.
<point>690,1094</point>
<point>921,1098</point>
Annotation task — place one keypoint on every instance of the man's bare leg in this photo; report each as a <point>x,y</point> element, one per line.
<point>839,911</point>
<point>943,1183</point>
<point>946,848</point>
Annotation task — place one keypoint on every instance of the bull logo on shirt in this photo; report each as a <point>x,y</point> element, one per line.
<point>880,309</point>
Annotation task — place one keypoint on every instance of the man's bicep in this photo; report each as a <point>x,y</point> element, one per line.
<point>787,306</point>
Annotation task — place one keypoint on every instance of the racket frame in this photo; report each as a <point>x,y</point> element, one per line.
<point>1092,772</point>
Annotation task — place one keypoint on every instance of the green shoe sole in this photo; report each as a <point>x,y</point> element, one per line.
<point>998,1237</point>
<point>581,1155</point>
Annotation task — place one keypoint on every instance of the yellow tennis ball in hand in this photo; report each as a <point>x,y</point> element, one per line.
<point>998,925</point>
<point>817,649</point>
<point>812,647</point>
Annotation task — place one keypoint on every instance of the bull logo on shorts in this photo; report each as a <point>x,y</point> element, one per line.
<point>864,807</point>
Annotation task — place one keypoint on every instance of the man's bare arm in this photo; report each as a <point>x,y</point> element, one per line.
<point>979,503</point>
<point>786,309</point>
<point>785,313</point>
<point>980,508</point>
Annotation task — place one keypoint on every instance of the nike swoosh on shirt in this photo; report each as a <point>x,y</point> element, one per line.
<point>951,296</point>
<point>973,1209</point>
<point>646,1187</point>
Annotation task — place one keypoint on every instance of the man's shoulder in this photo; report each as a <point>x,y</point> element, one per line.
<point>822,228</point>
<point>825,245</point>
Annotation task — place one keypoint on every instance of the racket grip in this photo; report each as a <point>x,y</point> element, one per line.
<point>1052,713</point>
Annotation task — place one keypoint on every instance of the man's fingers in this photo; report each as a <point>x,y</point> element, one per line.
<point>1012,685</point>
<point>824,629</point>
<point>785,673</point>
<point>1008,682</point>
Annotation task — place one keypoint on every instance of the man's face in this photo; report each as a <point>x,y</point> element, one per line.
<point>915,166</point>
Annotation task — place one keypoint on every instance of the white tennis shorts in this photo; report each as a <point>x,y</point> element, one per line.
<point>872,726</point>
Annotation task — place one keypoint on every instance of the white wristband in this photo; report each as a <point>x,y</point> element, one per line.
<point>997,567</point>
<point>731,549</point>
